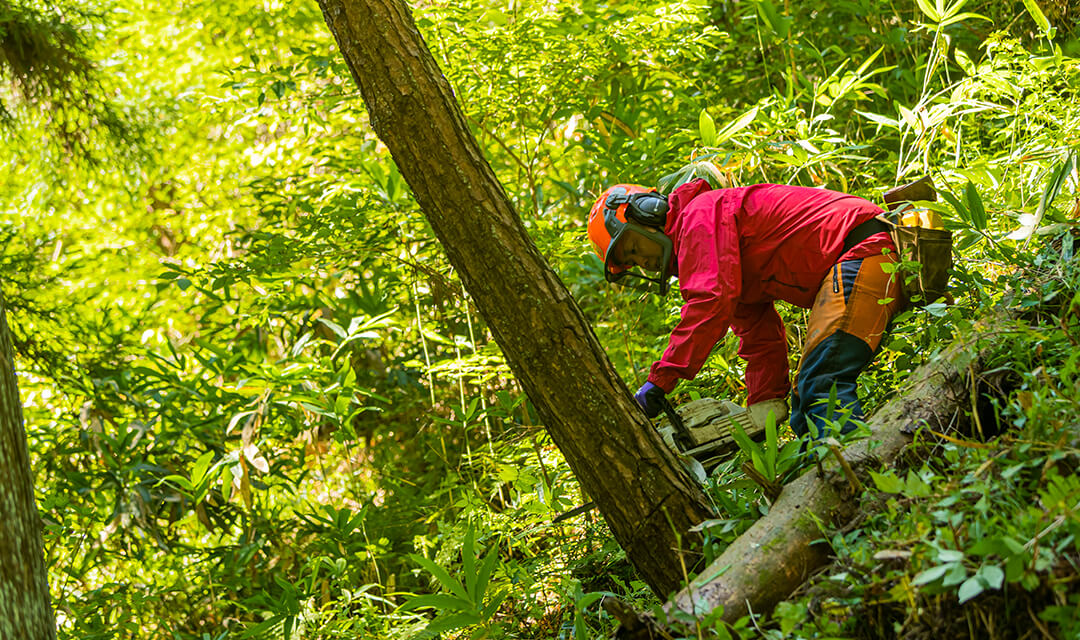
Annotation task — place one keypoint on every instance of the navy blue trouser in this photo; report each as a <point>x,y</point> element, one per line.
<point>850,316</point>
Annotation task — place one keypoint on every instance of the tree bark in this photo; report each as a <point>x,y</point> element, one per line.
<point>25,611</point>
<point>645,496</point>
<point>777,554</point>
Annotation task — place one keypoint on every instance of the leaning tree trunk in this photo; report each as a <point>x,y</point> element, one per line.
<point>645,496</point>
<point>25,611</point>
<point>778,552</point>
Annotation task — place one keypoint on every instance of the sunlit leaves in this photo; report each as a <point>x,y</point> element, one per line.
<point>944,13</point>
<point>779,25</point>
<point>707,129</point>
<point>1040,18</point>
<point>1031,222</point>
<point>467,602</point>
<point>313,384</point>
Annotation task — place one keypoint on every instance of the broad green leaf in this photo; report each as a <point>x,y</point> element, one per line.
<point>589,598</point>
<point>734,127</point>
<point>991,575</point>
<point>830,414</point>
<point>887,482</point>
<point>486,569</point>
<point>468,563</point>
<point>1038,15</point>
<point>960,207</point>
<point>767,12</point>
<point>884,121</point>
<point>951,10</point>
<point>226,481</point>
<point>1012,545</point>
<point>975,207</point>
<point>757,458</point>
<point>929,9</point>
<point>965,62</point>
<point>937,309</point>
<point>198,470</point>
<point>435,337</point>
<point>909,117</point>
<point>707,128</point>
<point>960,17</point>
<point>181,481</point>
<point>771,447</point>
<point>748,446</point>
<point>1015,567</point>
<point>969,589</point>
<point>1053,188</point>
<point>950,555</point>
<point>956,574</point>
<point>915,487</point>
<point>333,326</point>
<point>930,575</point>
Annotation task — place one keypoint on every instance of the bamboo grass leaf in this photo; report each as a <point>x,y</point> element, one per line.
<point>443,624</point>
<point>929,9</point>
<point>468,562</point>
<point>975,207</point>
<point>771,447</point>
<point>745,443</point>
<point>736,126</point>
<point>967,15</point>
<point>1037,13</point>
<point>486,569</point>
<point>707,127</point>
<point>439,601</point>
<point>1053,188</point>
<point>450,584</point>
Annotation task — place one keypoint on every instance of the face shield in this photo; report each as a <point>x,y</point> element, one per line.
<point>630,208</point>
<point>633,276</point>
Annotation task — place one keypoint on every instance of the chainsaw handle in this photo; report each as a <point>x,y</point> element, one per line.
<point>681,432</point>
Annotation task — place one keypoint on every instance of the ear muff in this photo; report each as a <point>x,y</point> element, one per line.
<point>649,208</point>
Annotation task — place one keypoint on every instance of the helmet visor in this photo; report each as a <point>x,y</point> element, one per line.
<point>614,271</point>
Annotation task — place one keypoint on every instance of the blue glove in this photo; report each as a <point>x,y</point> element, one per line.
<point>650,398</point>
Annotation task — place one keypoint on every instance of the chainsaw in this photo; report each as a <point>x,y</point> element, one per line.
<point>701,429</point>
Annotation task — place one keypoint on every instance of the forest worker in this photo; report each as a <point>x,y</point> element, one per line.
<point>736,252</point>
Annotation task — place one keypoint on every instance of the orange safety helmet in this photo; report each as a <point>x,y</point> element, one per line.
<point>629,206</point>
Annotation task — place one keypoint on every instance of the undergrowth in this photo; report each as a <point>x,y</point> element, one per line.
<point>260,404</point>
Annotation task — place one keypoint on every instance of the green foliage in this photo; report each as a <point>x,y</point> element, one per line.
<point>772,459</point>
<point>465,602</point>
<point>261,405</point>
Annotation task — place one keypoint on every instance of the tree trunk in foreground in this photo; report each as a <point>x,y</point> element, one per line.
<point>25,611</point>
<point>645,496</point>
<point>776,555</point>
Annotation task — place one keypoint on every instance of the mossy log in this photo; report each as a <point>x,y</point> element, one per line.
<point>778,553</point>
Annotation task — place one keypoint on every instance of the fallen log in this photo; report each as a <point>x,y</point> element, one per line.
<point>778,553</point>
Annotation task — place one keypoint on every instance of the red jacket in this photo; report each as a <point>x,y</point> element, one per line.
<point>736,251</point>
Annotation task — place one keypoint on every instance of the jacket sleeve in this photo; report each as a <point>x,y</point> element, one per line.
<point>763,344</point>
<point>710,280</point>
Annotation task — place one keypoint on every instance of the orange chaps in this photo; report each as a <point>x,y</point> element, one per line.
<point>850,316</point>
